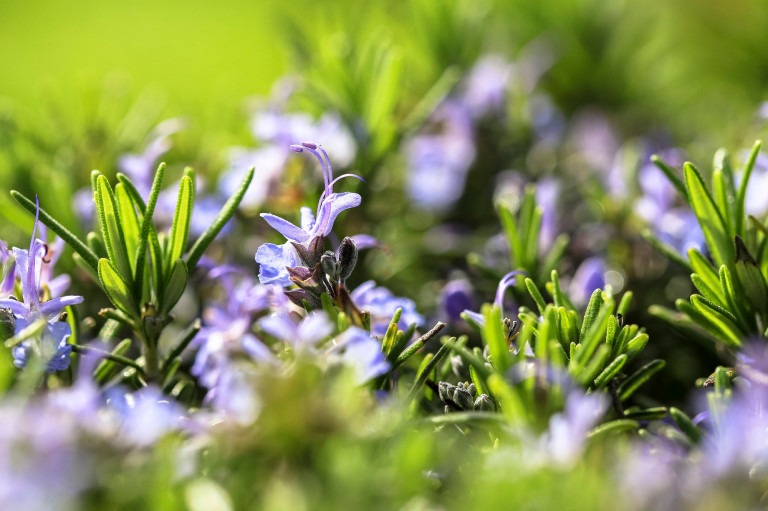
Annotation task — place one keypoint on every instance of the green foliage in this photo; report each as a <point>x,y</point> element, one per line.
<point>142,301</point>
<point>733,301</point>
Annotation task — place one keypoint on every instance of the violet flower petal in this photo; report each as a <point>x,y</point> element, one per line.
<point>286,228</point>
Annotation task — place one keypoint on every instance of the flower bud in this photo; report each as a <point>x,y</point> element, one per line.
<point>329,265</point>
<point>463,398</point>
<point>484,403</point>
<point>310,255</point>
<point>7,324</point>
<point>445,390</point>
<point>347,258</point>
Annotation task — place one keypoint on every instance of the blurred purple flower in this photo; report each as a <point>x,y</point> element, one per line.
<point>281,129</point>
<point>145,415</point>
<point>278,129</point>
<point>680,228</point>
<point>568,430</point>
<point>227,336</point>
<point>140,167</point>
<point>269,162</point>
<point>597,146</point>
<point>756,200</point>
<point>547,195</point>
<point>42,467</point>
<point>382,304</point>
<point>486,87</point>
<point>507,281</point>
<point>547,120</point>
<point>438,163</point>
<point>9,270</point>
<point>590,275</point>
<point>676,226</point>
<point>456,297</point>
<point>304,335</point>
<point>359,351</point>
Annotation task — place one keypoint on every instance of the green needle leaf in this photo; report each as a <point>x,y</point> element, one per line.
<point>672,176</point>
<point>111,227</point>
<point>711,220</point>
<point>181,220</point>
<point>631,384</point>
<point>685,424</point>
<point>175,285</point>
<point>116,288</point>
<point>147,232</point>
<point>741,196</point>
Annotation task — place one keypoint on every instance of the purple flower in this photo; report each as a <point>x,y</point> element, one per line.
<point>273,259</point>
<point>140,168</point>
<point>226,341</point>
<point>382,304</point>
<point>568,430</point>
<point>329,207</point>
<point>145,415</point>
<point>457,296</point>
<point>41,464</point>
<point>507,281</point>
<point>51,345</point>
<point>487,86</point>
<point>590,275</point>
<point>273,263</point>
<point>597,146</point>
<point>360,352</point>
<point>280,129</point>
<point>438,163</point>
<point>680,228</point>
<point>269,162</point>
<point>55,285</point>
<point>677,227</point>
<point>547,194</point>
<point>306,334</point>
<point>755,201</point>
<point>9,270</point>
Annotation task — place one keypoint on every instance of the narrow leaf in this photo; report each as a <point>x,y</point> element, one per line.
<point>116,288</point>
<point>111,227</point>
<point>741,196</point>
<point>711,220</point>
<point>145,238</point>
<point>631,384</point>
<point>181,220</point>
<point>174,286</point>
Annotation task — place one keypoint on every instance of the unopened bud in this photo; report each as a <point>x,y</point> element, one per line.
<point>7,324</point>
<point>347,258</point>
<point>445,390</point>
<point>329,265</point>
<point>484,403</point>
<point>463,398</point>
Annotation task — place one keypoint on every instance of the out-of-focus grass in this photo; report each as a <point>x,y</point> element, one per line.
<point>192,50</point>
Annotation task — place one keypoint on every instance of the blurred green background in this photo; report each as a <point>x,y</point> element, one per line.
<point>192,51</point>
<point>696,65</point>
